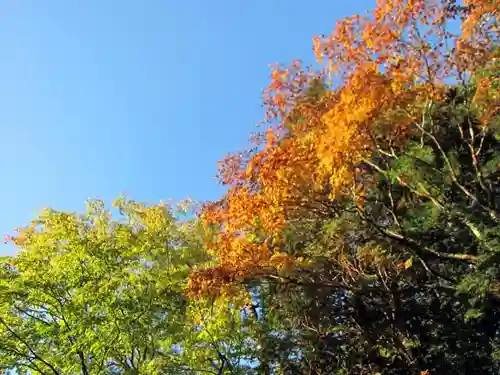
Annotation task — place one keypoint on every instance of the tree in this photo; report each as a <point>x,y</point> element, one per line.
<point>93,294</point>
<point>359,233</point>
<point>368,211</point>
<point>393,67</point>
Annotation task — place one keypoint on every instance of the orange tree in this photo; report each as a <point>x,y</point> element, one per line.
<point>327,135</point>
<point>372,196</point>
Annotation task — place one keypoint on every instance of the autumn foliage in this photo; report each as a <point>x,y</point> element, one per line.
<point>359,232</point>
<point>381,72</point>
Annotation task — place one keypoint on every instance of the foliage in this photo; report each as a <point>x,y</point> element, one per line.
<point>92,294</point>
<point>393,68</point>
<point>367,213</point>
<point>359,233</point>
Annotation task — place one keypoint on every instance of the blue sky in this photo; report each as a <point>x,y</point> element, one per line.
<point>99,98</point>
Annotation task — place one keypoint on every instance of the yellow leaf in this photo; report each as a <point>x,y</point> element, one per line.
<point>408,263</point>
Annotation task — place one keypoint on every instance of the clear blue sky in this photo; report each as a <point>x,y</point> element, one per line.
<point>100,97</point>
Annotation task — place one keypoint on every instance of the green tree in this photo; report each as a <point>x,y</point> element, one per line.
<point>93,294</point>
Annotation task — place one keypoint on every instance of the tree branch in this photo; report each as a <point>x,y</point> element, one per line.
<point>54,370</point>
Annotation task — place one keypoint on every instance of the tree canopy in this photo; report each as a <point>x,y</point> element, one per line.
<point>359,233</point>
<point>95,294</point>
